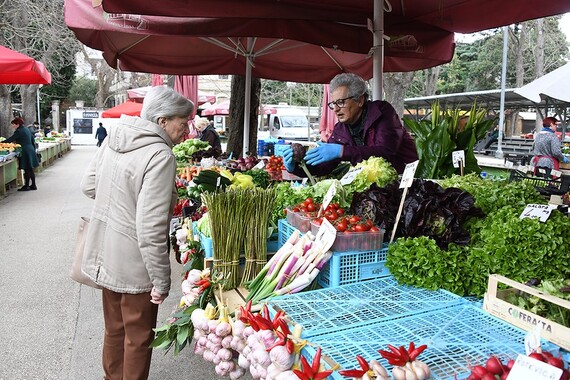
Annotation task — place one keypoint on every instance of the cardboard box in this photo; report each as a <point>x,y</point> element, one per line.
<point>495,304</point>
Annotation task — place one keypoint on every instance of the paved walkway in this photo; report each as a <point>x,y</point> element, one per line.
<point>51,327</point>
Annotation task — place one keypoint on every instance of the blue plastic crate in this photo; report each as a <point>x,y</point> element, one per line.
<point>273,243</point>
<point>333,309</point>
<point>457,337</point>
<point>207,245</point>
<point>285,230</point>
<point>350,267</point>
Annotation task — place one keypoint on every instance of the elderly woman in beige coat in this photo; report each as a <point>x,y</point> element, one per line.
<point>132,179</point>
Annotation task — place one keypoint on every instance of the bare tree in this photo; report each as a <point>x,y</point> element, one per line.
<point>105,75</point>
<point>395,87</point>
<point>35,28</point>
<point>236,117</point>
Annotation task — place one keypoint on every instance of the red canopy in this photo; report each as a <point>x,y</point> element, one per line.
<point>127,108</point>
<point>18,68</point>
<point>462,16</point>
<point>193,46</point>
<point>138,94</point>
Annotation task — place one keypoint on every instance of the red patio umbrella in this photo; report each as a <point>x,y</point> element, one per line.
<point>18,68</point>
<point>328,117</point>
<point>127,108</point>
<point>287,50</point>
<point>461,16</point>
<point>187,85</point>
<point>138,94</point>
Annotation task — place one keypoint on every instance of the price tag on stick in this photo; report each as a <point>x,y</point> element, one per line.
<point>527,368</point>
<point>326,235</point>
<point>350,176</point>
<point>328,198</point>
<point>405,183</point>
<point>458,158</point>
<point>535,211</point>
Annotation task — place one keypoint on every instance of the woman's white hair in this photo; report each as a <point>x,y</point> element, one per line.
<point>162,101</point>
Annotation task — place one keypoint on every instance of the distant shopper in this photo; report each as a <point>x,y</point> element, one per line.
<point>100,134</point>
<point>209,134</point>
<point>132,181</point>
<point>28,159</point>
<point>47,131</point>
<point>34,128</point>
<point>547,149</point>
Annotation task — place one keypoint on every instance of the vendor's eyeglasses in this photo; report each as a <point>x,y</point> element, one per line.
<point>340,103</point>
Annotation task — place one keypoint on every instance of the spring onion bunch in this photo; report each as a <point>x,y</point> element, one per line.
<point>293,267</point>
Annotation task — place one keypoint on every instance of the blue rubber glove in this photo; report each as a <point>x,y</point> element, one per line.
<point>288,160</point>
<point>566,160</point>
<point>323,153</point>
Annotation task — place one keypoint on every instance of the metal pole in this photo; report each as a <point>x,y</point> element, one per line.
<point>378,56</point>
<point>499,152</point>
<point>247,103</point>
<point>38,106</point>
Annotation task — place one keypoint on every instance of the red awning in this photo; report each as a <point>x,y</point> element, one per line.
<point>18,68</point>
<point>126,108</point>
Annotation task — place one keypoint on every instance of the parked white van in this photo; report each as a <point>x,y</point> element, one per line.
<point>289,123</point>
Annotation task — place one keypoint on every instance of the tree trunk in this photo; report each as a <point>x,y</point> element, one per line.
<point>395,87</point>
<point>432,76</point>
<point>236,116</point>
<point>5,111</point>
<point>539,65</point>
<point>29,103</point>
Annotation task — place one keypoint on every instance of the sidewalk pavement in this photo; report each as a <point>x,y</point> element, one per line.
<point>52,327</point>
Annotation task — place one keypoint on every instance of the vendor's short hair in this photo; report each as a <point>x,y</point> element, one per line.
<point>17,121</point>
<point>162,101</point>
<point>549,120</point>
<point>356,85</point>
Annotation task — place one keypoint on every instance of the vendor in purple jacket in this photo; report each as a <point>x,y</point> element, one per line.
<point>364,129</point>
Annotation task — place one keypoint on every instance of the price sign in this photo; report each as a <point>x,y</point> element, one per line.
<point>328,197</point>
<point>532,340</point>
<point>408,176</point>
<point>350,176</point>
<point>219,181</point>
<point>527,368</point>
<point>304,181</point>
<point>534,211</point>
<point>326,235</point>
<point>509,164</point>
<point>458,158</point>
<point>260,165</point>
<point>556,173</point>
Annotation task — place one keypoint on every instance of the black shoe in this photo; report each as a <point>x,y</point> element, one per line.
<point>33,187</point>
<point>24,188</point>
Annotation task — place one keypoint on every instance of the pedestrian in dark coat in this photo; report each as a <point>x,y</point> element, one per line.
<point>209,134</point>
<point>100,134</point>
<point>28,159</point>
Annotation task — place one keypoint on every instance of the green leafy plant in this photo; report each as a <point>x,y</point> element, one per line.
<point>445,132</point>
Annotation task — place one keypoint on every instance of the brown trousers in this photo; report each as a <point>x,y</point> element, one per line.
<point>129,320</point>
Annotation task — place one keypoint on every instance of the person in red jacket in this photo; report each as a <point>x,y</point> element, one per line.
<point>365,129</point>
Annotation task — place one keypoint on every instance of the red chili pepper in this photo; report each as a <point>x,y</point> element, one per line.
<point>248,305</point>
<point>265,312</point>
<point>276,318</point>
<point>404,354</point>
<point>203,287</point>
<point>284,326</point>
<point>301,375</point>
<point>415,353</point>
<point>263,323</point>
<point>322,375</point>
<point>307,369</point>
<point>201,282</point>
<point>316,361</point>
<point>252,321</point>
<point>363,363</point>
<point>358,373</point>
<point>412,347</point>
<point>242,315</point>
<point>394,350</point>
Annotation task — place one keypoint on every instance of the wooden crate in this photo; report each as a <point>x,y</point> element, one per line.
<point>496,305</point>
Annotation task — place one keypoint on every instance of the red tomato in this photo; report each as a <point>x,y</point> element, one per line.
<point>342,226</point>
<point>359,228</point>
<point>340,212</point>
<point>318,221</point>
<point>302,209</point>
<point>369,222</point>
<point>374,229</point>
<point>296,209</point>
<point>309,200</point>
<point>354,219</point>
<point>310,207</point>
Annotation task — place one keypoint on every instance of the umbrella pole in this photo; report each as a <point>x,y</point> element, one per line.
<point>499,152</point>
<point>247,102</point>
<point>378,51</point>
